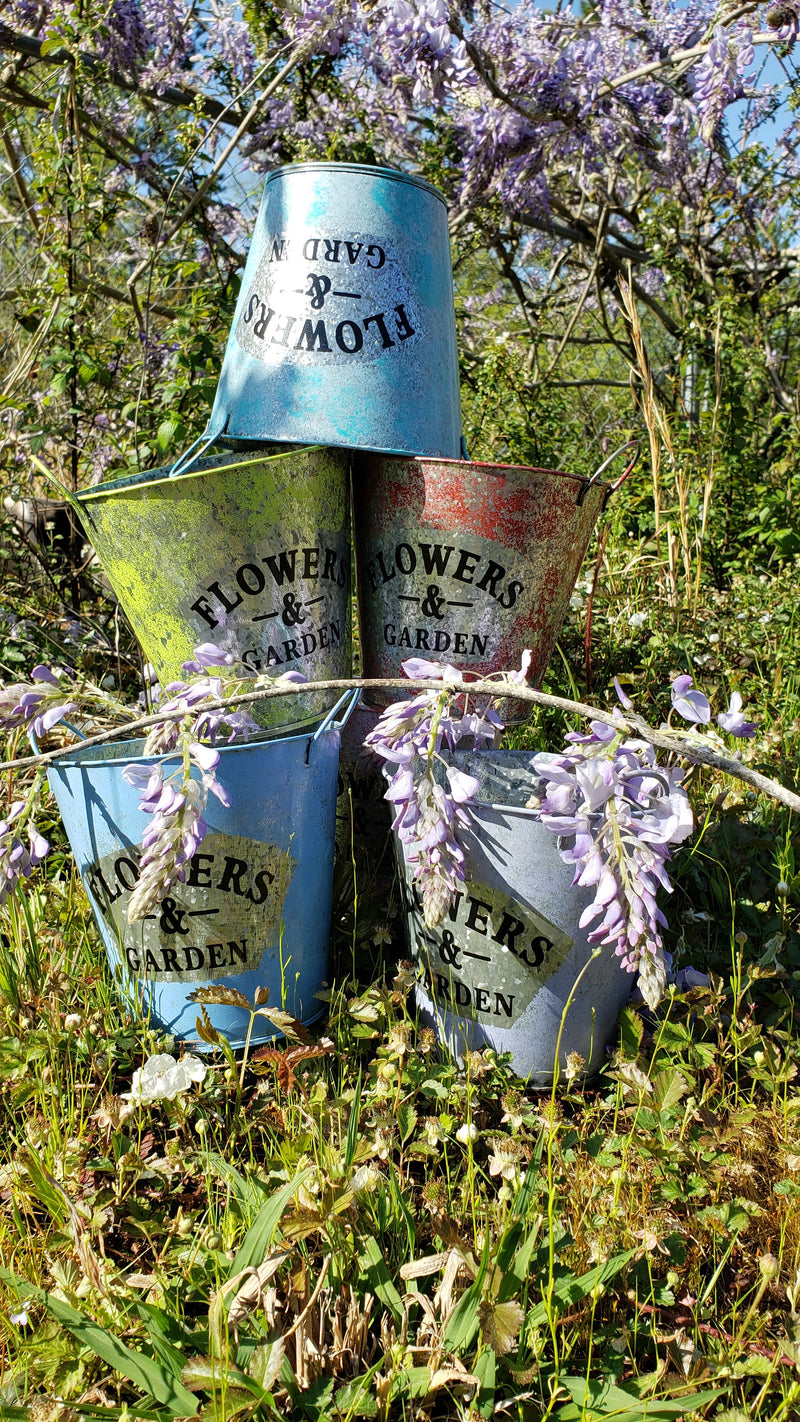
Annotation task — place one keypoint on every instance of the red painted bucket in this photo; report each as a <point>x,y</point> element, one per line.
<point>468,563</point>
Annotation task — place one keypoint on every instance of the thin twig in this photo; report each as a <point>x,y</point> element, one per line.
<point>662,740</point>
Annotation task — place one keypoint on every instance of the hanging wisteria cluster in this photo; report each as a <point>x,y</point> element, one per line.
<point>409,735</point>
<point>616,812</point>
<point>613,808</point>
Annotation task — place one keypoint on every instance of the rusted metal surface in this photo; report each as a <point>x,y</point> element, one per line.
<point>466,563</point>
<point>344,331</point>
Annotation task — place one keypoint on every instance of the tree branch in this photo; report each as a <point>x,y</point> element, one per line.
<point>184,97</point>
<point>663,740</point>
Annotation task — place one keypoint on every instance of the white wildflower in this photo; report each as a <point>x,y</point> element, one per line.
<point>163,1078</point>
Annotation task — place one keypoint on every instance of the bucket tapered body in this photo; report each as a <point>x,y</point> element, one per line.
<point>344,331</point>
<point>466,563</point>
<point>501,969</point>
<point>249,552</point>
<point>255,908</point>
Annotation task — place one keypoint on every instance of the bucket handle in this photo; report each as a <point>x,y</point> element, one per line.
<point>198,447</point>
<point>631,444</point>
<point>325,724</point>
<point>34,744</point>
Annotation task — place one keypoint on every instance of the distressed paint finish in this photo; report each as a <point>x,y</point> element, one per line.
<point>499,970</point>
<point>257,892</point>
<point>344,331</point>
<point>466,563</point>
<point>251,553</point>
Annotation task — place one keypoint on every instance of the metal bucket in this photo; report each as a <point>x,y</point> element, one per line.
<point>251,552</point>
<point>467,563</point>
<point>344,331</point>
<point>255,909</point>
<point>501,968</point>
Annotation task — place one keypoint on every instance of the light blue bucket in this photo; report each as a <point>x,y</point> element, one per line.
<point>255,909</point>
<point>344,331</point>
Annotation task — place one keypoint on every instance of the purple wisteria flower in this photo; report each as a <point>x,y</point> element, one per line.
<point>410,734</point>
<point>689,703</point>
<point>18,860</point>
<point>733,721</point>
<point>616,812</point>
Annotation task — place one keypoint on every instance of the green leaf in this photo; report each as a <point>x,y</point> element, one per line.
<point>380,1280</point>
<point>485,1369</point>
<point>462,1325</point>
<point>355,1398</point>
<point>153,1379</point>
<point>571,1289</point>
<point>412,1382</point>
<point>265,1363</point>
<point>253,1248</point>
<point>406,1120</point>
<point>353,1127</point>
<point>600,1398</point>
<point>631,1032</point>
<point>668,1088</point>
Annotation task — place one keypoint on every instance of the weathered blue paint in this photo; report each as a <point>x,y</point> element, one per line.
<point>256,905</point>
<point>344,331</point>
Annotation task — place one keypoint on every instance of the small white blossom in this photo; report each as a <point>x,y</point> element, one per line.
<point>72,1021</point>
<point>20,1319</point>
<point>163,1078</point>
<point>637,619</point>
<point>467,1132</point>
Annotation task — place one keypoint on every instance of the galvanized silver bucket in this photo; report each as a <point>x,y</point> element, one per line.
<point>467,563</point>
<point>344,331</point>
<point>501,970</point>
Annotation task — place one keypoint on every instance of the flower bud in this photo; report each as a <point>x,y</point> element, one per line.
<point>769,1267</point>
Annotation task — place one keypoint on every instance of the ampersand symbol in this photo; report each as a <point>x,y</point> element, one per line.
<point>433,603</point>
<point>172,918</point>
<point>292,611</point>
<point>318,288</point>
<point>448,950</point>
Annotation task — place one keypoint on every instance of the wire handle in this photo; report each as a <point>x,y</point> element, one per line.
<point>34,744</point>
<point>326,724</point>
<point>198,447</point>
<point>629,444</point>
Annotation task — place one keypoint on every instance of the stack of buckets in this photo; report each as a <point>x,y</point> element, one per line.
<point>341,371</point>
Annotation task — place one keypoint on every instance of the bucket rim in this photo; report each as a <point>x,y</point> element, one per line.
<point>484,466</point>
<point>227,460</point>
<point>374,169</point>
<point>72,759</point>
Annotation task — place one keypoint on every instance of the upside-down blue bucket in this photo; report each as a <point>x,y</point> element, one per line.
<point>344,330</point>
<point>255,909</point>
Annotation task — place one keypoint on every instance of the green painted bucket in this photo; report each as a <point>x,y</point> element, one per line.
<point>248,551</point>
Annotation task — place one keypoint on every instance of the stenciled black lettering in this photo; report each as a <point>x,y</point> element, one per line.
<point>435,557</point>
<point>250,579</point>
<point>282,565</point>
<point>402,323</point>
<point>228,603</point>
<point>313,337</point>
<point>260,327</point>
<point>378,320</point>
<point>204,609</point>
<point>509,597</point>
<point>356,335</point>
<point>232,875</point>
